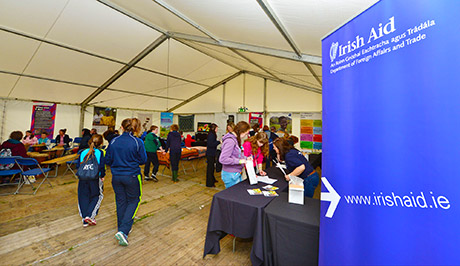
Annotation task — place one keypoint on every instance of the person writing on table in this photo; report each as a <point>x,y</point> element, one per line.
<point>231,156</point>
<point>297,165</point>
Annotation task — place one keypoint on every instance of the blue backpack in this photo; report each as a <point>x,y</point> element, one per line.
<point>89,169</point>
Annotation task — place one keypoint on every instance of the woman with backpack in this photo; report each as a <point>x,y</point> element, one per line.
<point>91,173</point>
<point>231,157</point>
<point>124,155</point>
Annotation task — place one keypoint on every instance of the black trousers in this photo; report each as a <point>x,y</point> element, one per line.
<point>152,157</point>
<point>174,158</point>
<point>210,179</point>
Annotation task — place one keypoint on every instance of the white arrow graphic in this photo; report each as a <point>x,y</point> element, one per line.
<point>331,196</point>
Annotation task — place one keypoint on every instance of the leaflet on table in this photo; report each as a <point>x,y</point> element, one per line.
<point>270,187</point>
<point>255,191</point>
<point>270,193</point>
<point>265,179</point>
<point>251,173</point>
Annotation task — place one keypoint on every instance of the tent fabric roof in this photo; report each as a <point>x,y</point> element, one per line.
<point>64,50</point>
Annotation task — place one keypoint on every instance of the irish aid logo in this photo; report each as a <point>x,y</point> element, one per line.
<point>333,50</point>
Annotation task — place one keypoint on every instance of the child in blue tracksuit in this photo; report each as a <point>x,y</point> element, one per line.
<point>124,155</point>
<point>90,191</point>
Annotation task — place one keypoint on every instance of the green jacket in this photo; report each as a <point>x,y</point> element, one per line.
<point>152,143</point>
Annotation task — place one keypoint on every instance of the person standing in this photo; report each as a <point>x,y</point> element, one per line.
<point>86,136</point>
<point>257,147</point>
<point>152,144</point>
<point>173,145</point>
<point>90,191</point>
<point>231,157</point>
<point>211,149</point>
<point>124,156</point>
<point>297,165</point>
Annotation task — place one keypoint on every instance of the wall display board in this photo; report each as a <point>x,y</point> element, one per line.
<point>166,122</point>
<point>203,126</point>
<point>282,123</point>
<point>146,121</point>
<point>390,197</point>
<point>104,118</point>
<point>186,123</point>
<point>311,131</point>
<point>256,118</point>
<point>43,116</point>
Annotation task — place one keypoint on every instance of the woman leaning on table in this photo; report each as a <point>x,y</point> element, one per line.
<point>231,157</point>
<point>297,165</point>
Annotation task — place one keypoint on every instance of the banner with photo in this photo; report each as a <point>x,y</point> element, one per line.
<point>104,118</point>
<point>186,123</point>
<point>282,122</point>
<point>146,121</point>
<point>256,118</point>
<point>43,116</point>
<point>166,122</point>
<point>311,132</point>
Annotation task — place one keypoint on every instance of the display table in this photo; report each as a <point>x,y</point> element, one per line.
<point>40,157</point>
<point>234,211</point>
<point>291,232</point>
<point>61,160</point>
<point>57,151</point>
<point>186,152</point>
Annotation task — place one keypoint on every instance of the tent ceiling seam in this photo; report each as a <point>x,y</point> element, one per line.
<point>186,19</point>
<point>30,36</point>
<point>290,83</point>
<point>38,47</point>
<point>254,63</point>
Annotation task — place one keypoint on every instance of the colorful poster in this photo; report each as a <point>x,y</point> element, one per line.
<point>203,126</point>
<point>104,118</point>
<point>166,122</point>
<point>256,118</point>
<point>186,123</point>
<point>43,116</point>
<point>311,132</point>
<point>146,121</point>
<point>281,123</point>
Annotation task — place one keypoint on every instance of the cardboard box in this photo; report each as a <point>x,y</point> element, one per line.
<point>296,194</point>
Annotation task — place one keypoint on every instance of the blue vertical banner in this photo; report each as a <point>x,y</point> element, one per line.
<point>166,120</point>
<point>391,136</point>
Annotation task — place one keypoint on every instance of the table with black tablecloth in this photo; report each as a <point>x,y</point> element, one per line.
<point>291,232</point>
<point>234,211</point>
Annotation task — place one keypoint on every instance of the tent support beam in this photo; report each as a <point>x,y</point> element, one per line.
<point>205,91</point>
<point>125,68</point>
<point>254,63</point>
<point>290,83</point>
<point>265,102</point>
<point>87,85</point>
<point>279,25</point>
<point>68,47</point>
<point>82,117</point>
<point>311,59</point>
<point>186,19</point>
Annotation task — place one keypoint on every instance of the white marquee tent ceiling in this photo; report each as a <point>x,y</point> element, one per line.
<point>156,54</point>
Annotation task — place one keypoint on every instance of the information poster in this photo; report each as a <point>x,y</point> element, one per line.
<point>43,116</point>
<point>104,118</point>
<point>390,195</point>
<point>256,118</point>
<point>146,121</point>
<point>311,132</point>
<point>282,122</point>
<point>166,122</point>
<point>186,123</point>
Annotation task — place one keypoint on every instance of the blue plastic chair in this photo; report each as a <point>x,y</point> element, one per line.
<point>8,172</point>
<point>76,141</point>
<point>31,162</point>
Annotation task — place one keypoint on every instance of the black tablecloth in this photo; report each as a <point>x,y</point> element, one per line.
<point>315,160</point>
<point>291,232</point>
<point>234,211</point>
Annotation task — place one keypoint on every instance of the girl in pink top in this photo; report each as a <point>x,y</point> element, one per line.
<point>29,138</point>
<point>257,148</point>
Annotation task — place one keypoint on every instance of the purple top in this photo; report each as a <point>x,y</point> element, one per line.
<point>231,154</point>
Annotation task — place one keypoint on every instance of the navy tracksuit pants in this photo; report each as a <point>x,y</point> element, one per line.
<point>90,197</point>
<point>128,193</point>
<point>174,158</point>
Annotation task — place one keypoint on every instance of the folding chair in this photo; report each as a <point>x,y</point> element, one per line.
<point>69,167</point>
<point>8,172</point>
<point>76,142</point>
<point>30,162</point>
